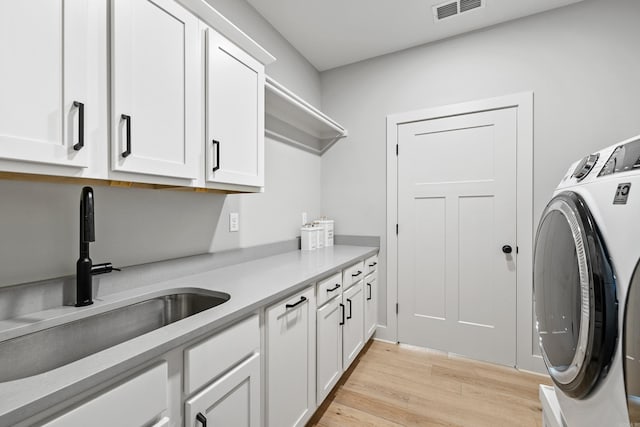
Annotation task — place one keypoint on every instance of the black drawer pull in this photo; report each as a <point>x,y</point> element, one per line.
<point>80,107</point>
<point>202,419</point>
<point>373,264</point>
<point>127,120</point>
<point>302,299</point>
<point>342,322</point>
<point>349,316</point>
<point>336,287</point>
<point>369,297</point>
<point>217,145</point>
<point>356,274</point>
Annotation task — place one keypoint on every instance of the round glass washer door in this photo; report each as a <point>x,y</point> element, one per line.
<point>574,296</point>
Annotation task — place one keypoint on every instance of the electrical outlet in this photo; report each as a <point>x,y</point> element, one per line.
<point>304,218</point>
<point>234,221</point>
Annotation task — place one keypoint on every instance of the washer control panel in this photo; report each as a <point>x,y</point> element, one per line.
<point>624,158</point>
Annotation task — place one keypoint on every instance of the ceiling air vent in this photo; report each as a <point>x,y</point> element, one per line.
<point>466,5</point>
<point>446,10</point>
<point>453,8</point>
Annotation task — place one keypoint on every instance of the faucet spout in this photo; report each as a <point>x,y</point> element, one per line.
<point>84,285</point>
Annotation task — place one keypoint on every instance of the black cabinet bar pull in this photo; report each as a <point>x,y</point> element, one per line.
<point>373,264</point>
<point>337,286</point>
<point>302,299</point>
<point>217,145</point>
<point>369,297</point>
<point>349,316</point>
<point>357,274</point>
<point>127,120</point>
<point>342,322</point>
<point>202,419</point>
<point>80,107</point>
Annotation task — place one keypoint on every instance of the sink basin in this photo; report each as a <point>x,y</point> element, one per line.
<point>51,348</point>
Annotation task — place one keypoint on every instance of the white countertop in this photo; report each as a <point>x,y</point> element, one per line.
<point>252,285</point>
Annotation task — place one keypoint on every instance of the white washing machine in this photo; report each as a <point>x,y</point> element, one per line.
<point>586,256</point>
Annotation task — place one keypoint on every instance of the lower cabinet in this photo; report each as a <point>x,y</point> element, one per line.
<point>227,364</point>
<point>371,296</point>
<point>122,405</point>
<point>233,400</point>
<point>370,304</point>
<point>353,329</point>
<point>273,368</point>
<point>290,360</point>
<point>330,318</point>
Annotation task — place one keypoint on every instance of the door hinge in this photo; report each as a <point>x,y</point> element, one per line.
<point>396,229</point>
<point>517,249</point>
<point>396,308</point>
<point>397,149</point>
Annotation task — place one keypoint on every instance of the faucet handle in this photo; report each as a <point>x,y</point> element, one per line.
<point>105,267</point>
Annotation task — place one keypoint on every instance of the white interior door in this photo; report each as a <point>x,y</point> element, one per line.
<point>456,211</point>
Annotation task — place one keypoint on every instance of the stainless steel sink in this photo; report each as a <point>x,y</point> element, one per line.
<point>51,348</point>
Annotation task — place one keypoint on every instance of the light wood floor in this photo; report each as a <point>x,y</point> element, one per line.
<point>392,385</point>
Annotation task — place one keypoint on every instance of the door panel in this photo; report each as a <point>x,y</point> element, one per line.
<point>156,76</point>
<point>430,214</point>
<point>370,305</point>
<point>235,114</point>
<point>43,51</point>
<point>456,209</point>
<point>291,356</point>
<point>329,347</point>
<point>475,262</point>
<point>353,341</point>
<point>233,400</point>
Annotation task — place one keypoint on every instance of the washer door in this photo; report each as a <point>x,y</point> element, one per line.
<point>574,296</point>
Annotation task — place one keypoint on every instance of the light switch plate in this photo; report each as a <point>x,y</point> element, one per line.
<point>234,221</point>
<point>304,218</point>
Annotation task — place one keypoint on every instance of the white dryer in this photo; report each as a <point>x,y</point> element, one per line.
<point>586,254</point>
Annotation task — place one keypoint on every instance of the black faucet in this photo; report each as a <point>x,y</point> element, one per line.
<point>84,267</point>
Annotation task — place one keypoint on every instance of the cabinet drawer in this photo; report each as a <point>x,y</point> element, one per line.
<point>370,264</point>
<point>328,288</point>
<point>136,402</point>
<point>209,358</point>
<point>352,274</point>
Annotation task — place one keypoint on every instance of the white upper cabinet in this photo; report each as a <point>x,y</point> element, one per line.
<point>155,66</point>
<point>43,81</point>
<point>234,114</point>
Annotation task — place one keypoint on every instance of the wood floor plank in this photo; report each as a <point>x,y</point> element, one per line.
<point>393,385</point>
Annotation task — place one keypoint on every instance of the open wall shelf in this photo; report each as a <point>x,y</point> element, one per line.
<point>294,121</point>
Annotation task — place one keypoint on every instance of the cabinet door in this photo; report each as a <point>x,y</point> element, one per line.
<point>235,114</point>
<point>370,304</point>
<point>155,80</point>
<point>291,356</point>
<point>43,46</point>
<point>137,402</point>
<point>233,400</point>
<point>353,339</point>
<point>329,347</point>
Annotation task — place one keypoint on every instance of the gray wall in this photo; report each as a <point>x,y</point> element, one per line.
<point>39,222</point>
<point>581,61</point>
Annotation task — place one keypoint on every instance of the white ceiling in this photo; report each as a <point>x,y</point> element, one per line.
<point>331,33</point>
